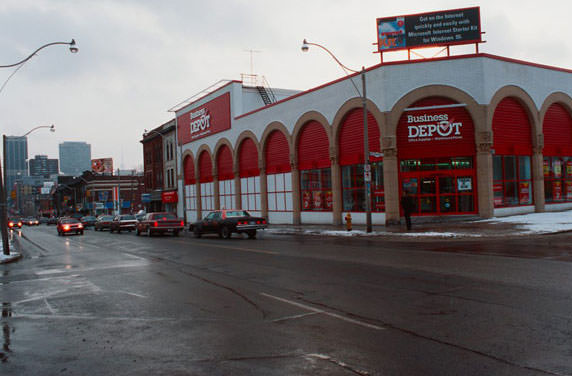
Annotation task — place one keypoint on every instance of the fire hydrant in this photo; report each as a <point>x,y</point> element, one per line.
<point>348,219</point>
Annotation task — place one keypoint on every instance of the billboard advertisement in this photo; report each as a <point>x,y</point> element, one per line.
<point>102,165</point>
<point>205,120</point>
<point>448,27</point>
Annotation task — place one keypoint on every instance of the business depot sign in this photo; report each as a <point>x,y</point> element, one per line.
<point>205,120</point>
<point>459,26</point>
<point>435,130</point>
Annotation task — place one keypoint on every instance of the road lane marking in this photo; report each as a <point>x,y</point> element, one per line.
<point>315,310</point>
<point>235,248</point>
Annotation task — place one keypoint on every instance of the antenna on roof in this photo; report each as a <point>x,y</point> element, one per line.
<point>252,52</point>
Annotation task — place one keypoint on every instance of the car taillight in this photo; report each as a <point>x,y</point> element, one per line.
<point>10,224</point>
<point>155,224</point>
<point>264,221</point>
<point>66,227</point>
<point>257,222</point>
<point>183,223</point>
<point>80,226</point>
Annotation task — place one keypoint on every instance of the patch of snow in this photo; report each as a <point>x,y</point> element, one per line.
<point>540,223</point>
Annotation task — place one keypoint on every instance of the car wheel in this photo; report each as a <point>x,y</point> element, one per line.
<point>81,232</point>
<point>197,232</point>
<point>176,233</point>
<point>251,234</point>
<point>225,232</point>
<point>119,231</point>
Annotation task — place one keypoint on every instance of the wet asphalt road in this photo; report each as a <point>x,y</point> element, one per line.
<point>118,304</point>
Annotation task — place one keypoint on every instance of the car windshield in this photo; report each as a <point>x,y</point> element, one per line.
<point>88,218</point>
<point>127,217</point>
<point>69,220</point>
<point>164,216</point>
<point>237,213</point>
<point>106,218</point>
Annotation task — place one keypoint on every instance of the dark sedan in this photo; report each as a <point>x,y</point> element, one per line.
<point>160,223</point>
<point>103,222</point>
<point>88,221</point>
<point>225,222</point>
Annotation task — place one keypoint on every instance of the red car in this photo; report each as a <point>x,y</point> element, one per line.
<point>68,225</point>
<point>14,223</point>
<point>160,223</point>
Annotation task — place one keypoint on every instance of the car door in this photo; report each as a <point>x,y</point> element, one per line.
<point>209,222</point>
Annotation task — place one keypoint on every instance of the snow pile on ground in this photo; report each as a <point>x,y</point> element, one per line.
<point>5,258</point>
<point>540,223</point>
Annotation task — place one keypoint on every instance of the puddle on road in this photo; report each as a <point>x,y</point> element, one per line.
<point>6,331</point>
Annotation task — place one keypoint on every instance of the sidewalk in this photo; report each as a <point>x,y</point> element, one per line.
<point>13,256</point>
<point>503,227</point>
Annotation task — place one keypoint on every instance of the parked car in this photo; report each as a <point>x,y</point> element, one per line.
<point>160,223</point>
<point>123,222</point>
<point>68,225</point>
<point>88,221</point>
<point>225,222</point>
<point>52,221</point>
<point>103,222</point>
<point>14,223</point>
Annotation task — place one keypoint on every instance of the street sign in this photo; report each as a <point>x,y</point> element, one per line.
<point>375,154</point>
<point>367,176</point>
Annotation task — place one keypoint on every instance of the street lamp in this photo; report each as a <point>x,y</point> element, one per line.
<point>3,208</point>
<point>3,220</point>
<point>73,50</point>
<point>367,167</point>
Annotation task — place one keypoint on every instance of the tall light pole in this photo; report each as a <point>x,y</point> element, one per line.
<point>366,167</point>
<point>3,205</point>
<point>3,220</point>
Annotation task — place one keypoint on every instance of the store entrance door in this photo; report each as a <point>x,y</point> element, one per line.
<point>441,192</point>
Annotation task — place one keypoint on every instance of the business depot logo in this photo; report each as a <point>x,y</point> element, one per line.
<point>200,123</point>
<point>426,127</point>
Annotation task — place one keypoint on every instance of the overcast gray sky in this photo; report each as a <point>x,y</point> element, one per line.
<point>138,58</point>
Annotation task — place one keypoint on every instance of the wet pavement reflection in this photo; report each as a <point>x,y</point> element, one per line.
<point>6,331</point>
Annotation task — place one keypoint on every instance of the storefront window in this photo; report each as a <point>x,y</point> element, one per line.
<point>440,185</point>
<point>353,191</point>
<point>316,189</point>
<point>431,164</point>
<point>512,184</point>
<point>557,179</point>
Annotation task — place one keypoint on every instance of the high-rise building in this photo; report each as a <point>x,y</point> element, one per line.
<point>75,158</point>
<point>15,154</point>
<point>44,167</point>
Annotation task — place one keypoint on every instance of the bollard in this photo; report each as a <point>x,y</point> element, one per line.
<point>348,219</point>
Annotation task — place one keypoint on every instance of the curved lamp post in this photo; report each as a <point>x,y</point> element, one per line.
<point>367,167</point>
<point>73,50</point>
<point>3,208</point>
<point>3,219</point>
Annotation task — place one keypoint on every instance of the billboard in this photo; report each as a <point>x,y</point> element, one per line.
<point>447,27</point>
<point>102,165</point>
<point>210,118</point>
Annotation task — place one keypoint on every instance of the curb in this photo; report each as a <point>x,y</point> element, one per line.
<point>14,256</point>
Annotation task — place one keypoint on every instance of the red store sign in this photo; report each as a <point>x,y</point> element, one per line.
<point>435,128</point>
<point>206,120</point>
<point>169,197</point>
